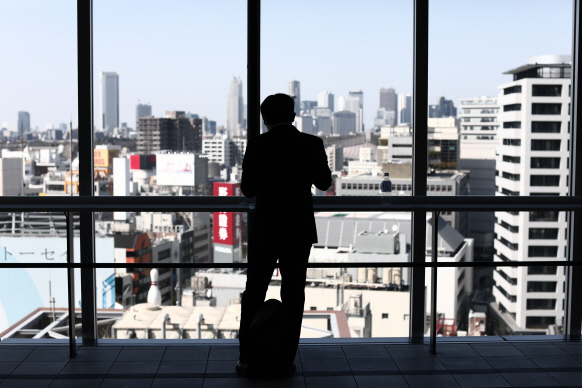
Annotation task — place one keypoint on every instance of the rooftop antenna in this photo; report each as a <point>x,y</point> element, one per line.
<point>22,155</point>
<point>71,158</point>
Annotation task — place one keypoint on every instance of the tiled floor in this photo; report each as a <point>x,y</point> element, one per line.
<point>481,364</point>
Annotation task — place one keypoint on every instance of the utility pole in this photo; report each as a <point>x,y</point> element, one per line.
<point>22,155</point>
<point>71,156</point>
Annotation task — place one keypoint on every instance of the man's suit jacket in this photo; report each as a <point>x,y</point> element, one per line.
<point>279,168</point>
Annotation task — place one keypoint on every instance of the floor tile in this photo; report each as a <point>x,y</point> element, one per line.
<point>87,368</point>
<point>329,365</point>
<point>571,348</point>
<point>25,383</point>
<point>185,367</point>
<point>396,381</point>
<point>186,353</point>
<point>126,383</point>
<point>76,383</point>
<point>237,382</point>
<point>39,368</point>
<point>217,366</point>
<point>540,350</point>
<point>141,355</point>
<point>372,351</point>
<point>568,379</point>
<point>534,379</point>
<point>96,355</point>
<point>372,365</point>
<point>556,362</point>
<point>329,382</point>
<point>497,350</point>
<point>460,350</point>
<point>432,381</point>
<point>285,382</point>
<point>508,363</point>
<point>481,380</point>
<point>409,351</point>
<point>39,354</point>
<point>134,367</point>
<point>181,382</point>
<point>464,363</point>
<point>14,354</point>
<point>318,352</point>
<point>418,364</point>
<point>577,357</point>
<point>6,367</point>
<point>224,353</point>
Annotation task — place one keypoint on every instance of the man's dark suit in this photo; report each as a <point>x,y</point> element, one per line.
<point>279,168</point>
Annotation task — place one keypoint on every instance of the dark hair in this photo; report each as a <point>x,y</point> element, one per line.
<point>278,108</point>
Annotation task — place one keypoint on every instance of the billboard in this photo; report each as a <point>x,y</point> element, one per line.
<point>227,225</point>
<point>104,157</point>
<point>175,169</point>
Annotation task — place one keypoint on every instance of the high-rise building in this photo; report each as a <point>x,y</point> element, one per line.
<point>293,89</point>
<point>388,99</point>
<point>360,96</point>
<point>308,105</point>
<point>532,159</point>
<point>478,145</point>
<point>325,99</point>
<point>23,122</point>
<point>404,109</point>
<point>352,104</point>
<point>447,108</point>
<point>234,107</point>
<point>174,133</point>
<point>142,110</point>
<point>343,122</point>
<point>109,100</point>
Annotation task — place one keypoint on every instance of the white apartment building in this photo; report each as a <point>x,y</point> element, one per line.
<point>478,146</point>
<point>225,150</point>
<point>532,160</point>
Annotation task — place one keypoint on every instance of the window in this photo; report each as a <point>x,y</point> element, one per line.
<point>349,186</point>
<point>541,304</point>
<point>544,216</point>
<point>511,228</point>
<point>511,107</point>
<point>510,176</point>
<point>313,308</point>
<point>377,186</point>
<point>512,142</point>
<point>512,89</point>
<point>546,90</point>
<point>510,245</point>
<point>461,278</point>
<point>511,298</point>
<point>546,126</point>
<point>543,233</point>
<point>544,180</point>
<point>546,109</point>
<point>505,191</point>
<point>542,251</point>
<point>384,316</point>
<point>545,163</point>
<point>539,322</point>
<point>365,186</point>
<point>343,186</point>
<point>541,286</point>
<point>542,270</point>
<point>511,159</point>
<point>505,276</point>
<point>329,309</point>
<point>545,145</point>
<point>512,124</point>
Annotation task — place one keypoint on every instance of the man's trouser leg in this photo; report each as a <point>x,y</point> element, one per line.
<point>262,259</point>
<point>293,265</point>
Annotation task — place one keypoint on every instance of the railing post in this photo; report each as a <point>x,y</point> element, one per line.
<point>573,308</point>
<point>86,180</point>
<point>419,167</point>
<point>71,283</point>
<point>433,284</point>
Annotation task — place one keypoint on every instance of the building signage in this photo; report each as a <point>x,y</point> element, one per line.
<point>227,225</point>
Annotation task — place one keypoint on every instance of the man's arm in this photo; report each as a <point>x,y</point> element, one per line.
<point>321,173</point>
<point>248,184</point>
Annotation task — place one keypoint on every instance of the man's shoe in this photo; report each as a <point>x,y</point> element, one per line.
<point>243,370</point>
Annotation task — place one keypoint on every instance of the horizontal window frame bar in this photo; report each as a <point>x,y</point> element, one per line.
<point>408,264</point>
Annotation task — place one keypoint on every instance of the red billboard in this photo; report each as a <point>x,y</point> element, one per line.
<point>227,225</point>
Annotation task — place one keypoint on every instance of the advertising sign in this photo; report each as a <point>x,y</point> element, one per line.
<point>104,157</point>
<point>175,169</point>
<point>227,225</point>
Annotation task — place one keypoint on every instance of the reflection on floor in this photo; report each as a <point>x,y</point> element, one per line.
<point>490,362</point>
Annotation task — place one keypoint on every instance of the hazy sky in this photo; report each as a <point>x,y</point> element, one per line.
<point>182,54</point>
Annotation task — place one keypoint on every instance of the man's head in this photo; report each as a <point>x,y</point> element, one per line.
<point>278,108</point>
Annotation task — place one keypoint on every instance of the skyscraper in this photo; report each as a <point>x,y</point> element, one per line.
<point>109,100</point>
<point>388,99</point>
<point>404,109</point>
<point>447,108</point>
<point>360,96</point>
<point>23,122</point>
<point>234,107</point>
<point>325,100</point>
<point>142,110</point>
<point>352,104</point>
<point>293,91</point>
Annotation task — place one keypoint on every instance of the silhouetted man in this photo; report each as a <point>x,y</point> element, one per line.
<point>279,169</point>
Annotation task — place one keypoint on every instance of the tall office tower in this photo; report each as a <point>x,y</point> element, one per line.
<point>142,110</point>
<point>234,107</point>
<point>532,160</point>
<point>23,122</point>
<point>360,96</point>
<point>304,123</point>
<point>446,108</point>
<point>109,100</point>
<point>388,99</point>
<point>343,122</point>
<point>308,105</point>
<point>174,132</point>
<point>479,141</point>
<point>325,99</point>
<point>404,109</point>
<point>293,89</point>
<point>352,104</point>
<point>433,112</point>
